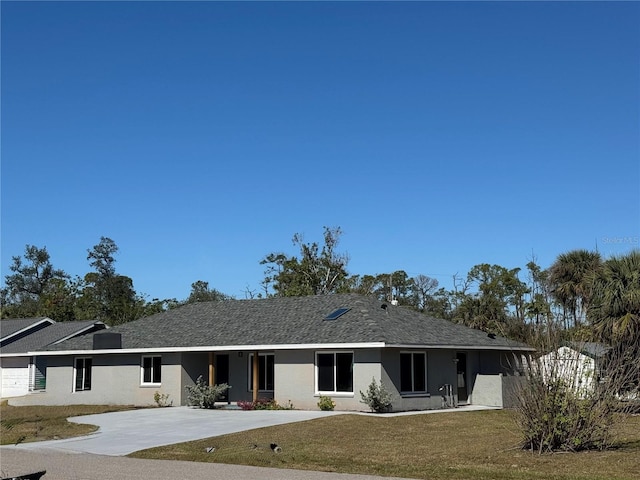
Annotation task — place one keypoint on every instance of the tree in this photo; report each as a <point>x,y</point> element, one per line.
<point>316,271</point>
<point>569,282</point>
<point>438,304</point>
<point>614,307</point>
<point>614,311</point>
<point>200,292</point>
<point>498,304</point>
<point>102,257</point>
<point>425,288</point>
<point>35,288</point>
<point>391,287</point>
<point>398,287</point>
<point>107,296</point>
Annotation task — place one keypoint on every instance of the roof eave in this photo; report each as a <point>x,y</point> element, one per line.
<point>274,347</point>
<point>213,348</point>
<point>519,348</point>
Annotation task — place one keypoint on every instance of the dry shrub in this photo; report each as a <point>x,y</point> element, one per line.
<point>564,406</point>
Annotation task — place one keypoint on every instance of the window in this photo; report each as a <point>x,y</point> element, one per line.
<point>151,370</point>
<point>413,372</point>
<point>334,372</point>
<point>265,372</point>
<point>82,373</point>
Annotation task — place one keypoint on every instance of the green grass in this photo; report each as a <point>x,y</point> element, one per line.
<point>37,423</point>
<point>469,445</point>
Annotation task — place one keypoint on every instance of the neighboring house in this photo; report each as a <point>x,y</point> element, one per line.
<point>22,372</point>
<point>578,364</point>
<point>291,349</point>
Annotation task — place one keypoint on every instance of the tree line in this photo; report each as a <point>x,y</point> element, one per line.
<point>34,288</point>
<point>580,293</point>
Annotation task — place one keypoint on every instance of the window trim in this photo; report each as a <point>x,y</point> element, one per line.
<point>152,371</point>
<point>266,373</point>
<point>334,392</point>
<point>413,391</point>
<point>84,376</point>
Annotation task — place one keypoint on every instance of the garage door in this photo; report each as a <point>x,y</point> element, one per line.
<point>15,376</point>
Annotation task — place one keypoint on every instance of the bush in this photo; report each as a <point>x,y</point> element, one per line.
<point>264,404</point>
<point>203,395</point>
<point>557,413</point>
<point>162,399</point>
<point>326,403</point>
<point>377,397</point>
<point>554,416</point>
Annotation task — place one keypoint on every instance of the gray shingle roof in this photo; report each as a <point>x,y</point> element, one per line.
<point>50,335</point>
<point>591,349</point>
<point>293,321</point>
<point>11,326</point>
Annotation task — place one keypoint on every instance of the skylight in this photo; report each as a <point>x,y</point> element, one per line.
<point>338,313</point>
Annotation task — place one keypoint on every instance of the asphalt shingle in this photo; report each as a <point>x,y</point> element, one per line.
<point>293,321</point>
<point>49,335</point>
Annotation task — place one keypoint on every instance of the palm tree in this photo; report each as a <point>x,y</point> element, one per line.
<point>615,314</point>
<point>569,282</point>
<point>615,305</point>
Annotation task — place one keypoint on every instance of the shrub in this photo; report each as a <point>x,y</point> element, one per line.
<point>326,403</point>
<point>244,405</point>
<point>377,397</point>
<point>555,416</point>
<point>264,404</point>
<point>162,399</point>
<point>203,395</point>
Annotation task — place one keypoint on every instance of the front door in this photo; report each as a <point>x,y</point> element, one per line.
<point>222,372</point>
<point>461,363</point>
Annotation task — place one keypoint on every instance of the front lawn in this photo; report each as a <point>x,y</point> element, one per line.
<point>447,446</point>
<point>37,423</point>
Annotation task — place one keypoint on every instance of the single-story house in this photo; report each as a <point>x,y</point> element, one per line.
<point>21,372</point>
<point>578,364</point>
<point>291,349</point>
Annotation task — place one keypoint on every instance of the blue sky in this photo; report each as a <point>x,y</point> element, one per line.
<point>201,136</point>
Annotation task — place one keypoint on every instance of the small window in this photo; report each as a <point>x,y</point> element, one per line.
<point>413,372</point>
<point>266,362</point>
<point>151,370</point>
<point>82,374</point>
<point>334,372</point>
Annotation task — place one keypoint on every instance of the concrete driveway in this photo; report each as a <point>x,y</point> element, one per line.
<point>122,433</point>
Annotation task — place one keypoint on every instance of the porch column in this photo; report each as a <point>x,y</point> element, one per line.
<point>256,372</point>
<point>212,368</point>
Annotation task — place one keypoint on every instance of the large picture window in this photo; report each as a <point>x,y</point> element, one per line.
<point>151,370</point>
<point>334,372</point>
<point>266,363</point>
<point>82,374</point>
<point>413,372</point>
